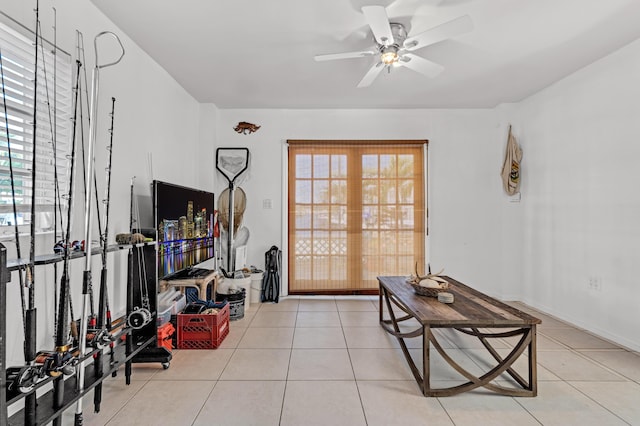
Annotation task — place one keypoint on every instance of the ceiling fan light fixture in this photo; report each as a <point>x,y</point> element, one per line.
<point>389,55</point>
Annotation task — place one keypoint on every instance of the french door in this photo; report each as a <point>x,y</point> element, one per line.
<point>356,211</point>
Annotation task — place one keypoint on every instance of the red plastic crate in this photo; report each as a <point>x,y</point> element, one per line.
<point>202,331</point>
<point>165,333</point>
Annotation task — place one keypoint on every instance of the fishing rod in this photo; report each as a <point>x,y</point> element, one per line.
<point>62,338</point>
<point>86,278</point>
<point>131,220</point>
<point>138,305</point>
<point>63,354</point>
<point>57,203</point>
<point>13,193</point>
<point>84,181</point>
<point>104,313</point>
<point>130,307</point>
<point>30,339</point>
<point>80,54</point>
<point>57,212</point>
<point>56,189</point>
<point>54,139</point>
<point>30,346</point>
<point>138,316</point>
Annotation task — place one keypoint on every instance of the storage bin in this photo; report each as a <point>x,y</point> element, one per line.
<point>179,304</point>
<point>168,296</point>
<point>164,315</point>
<point>233,285</point>
<point>256,287</point>
<point>174,337</point>
<point>165,336</point>
<point>203,331</point>
<point>236,303</point>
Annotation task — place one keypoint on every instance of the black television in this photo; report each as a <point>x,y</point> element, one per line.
<point>184,221</point>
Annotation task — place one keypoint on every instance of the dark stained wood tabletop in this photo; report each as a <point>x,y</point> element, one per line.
<point>470,308</point>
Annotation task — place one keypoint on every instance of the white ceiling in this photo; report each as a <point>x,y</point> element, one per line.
<point>259,54</point>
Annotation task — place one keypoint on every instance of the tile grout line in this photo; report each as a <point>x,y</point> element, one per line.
<point>355,379</point>
<point>587,396</point>
<point>222,371</point>
<point>527,411</point>
<point>586,358</point>
<point>127,401</point>
<point>204,403</point>
<point>444,409</point>
<point>286,379</point>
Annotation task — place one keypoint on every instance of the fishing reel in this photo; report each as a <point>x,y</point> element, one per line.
<point>24,379</point>
<point>138,318</point>
<point>56,363</point>
<point>99,338</point>
<point>46,364</point>
<point>62,246</point>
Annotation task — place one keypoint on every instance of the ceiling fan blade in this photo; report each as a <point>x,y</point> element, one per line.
<point>410,7</point>
<point>450,29</point>
<point>371,75</point>
<point>420,65</point>
<point>377,19</point>
<point>346,55</point>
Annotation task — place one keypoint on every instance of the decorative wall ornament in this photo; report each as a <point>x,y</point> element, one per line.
<point>246,128</point>
<point>511,167</point>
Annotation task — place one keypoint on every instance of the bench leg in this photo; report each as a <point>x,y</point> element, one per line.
<point>533,363</point>
<point>426,375</point>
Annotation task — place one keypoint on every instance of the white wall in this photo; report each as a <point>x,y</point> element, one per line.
<point>581,203</point>
<point>153,115</point>
<point>208,117</point>
<point>465,150</point>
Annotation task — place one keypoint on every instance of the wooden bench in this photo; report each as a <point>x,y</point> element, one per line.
<point>471,313</point>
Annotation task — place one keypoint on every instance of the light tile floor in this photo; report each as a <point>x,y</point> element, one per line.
<point>326,361</point>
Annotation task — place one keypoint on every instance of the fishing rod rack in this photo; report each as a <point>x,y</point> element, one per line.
<point>131,345</point>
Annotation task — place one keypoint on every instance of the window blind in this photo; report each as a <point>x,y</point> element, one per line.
<point>53,114</point>
<point>356,211</point>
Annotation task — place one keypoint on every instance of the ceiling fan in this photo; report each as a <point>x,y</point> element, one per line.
<point>394,45</point>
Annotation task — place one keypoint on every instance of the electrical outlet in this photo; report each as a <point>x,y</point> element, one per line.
<point>595,283</point>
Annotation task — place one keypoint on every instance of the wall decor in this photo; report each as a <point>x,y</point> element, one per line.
<point>511,168</point>
<point>246,128</point>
